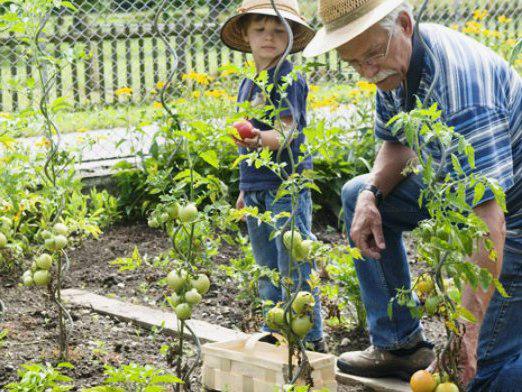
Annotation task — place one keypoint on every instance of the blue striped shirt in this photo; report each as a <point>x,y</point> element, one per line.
<point>481,96</point>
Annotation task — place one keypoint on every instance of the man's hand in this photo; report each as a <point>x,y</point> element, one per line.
<point>366,230</point>
<point>467,359</point>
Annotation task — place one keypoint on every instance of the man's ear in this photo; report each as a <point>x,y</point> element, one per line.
<point>406,23</point>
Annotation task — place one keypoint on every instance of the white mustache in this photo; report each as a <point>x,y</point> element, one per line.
<point>381,76</point>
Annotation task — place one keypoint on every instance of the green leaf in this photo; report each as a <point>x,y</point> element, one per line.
<point>485,278</point>
<point>211,158</point>
<point>466,314</point>
<point>500,288</point>
<point>480,189</point>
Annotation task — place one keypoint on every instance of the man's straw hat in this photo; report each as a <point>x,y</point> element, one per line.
<point>232,36</point>
<point>344,20</point>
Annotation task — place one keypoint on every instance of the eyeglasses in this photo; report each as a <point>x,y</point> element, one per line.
<point>375,59</point>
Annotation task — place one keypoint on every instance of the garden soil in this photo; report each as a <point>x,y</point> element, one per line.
<point>99,340</point>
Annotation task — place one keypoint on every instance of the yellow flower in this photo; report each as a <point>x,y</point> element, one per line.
<point>228,72</point>
<point>215,93</point>
<point>518,62</point>
<point>491,33</point>
<point>472,28</point>
<point>202,79</point>
<point>196,94</point>
<point>160,85</point>
<point>510,42</point>
<point>157,105</point>
<point>354,93</point>
<point>454,26</point>
<point>366,86</point>
<point>180,101</point>
<point>82,130</point>
<point>503,19</point>
<point>6,115</point>
<point>43,142</point>
<point>479,14</point>
<point>326,102</point>
<point>314,88</point>
<point>123,91</point>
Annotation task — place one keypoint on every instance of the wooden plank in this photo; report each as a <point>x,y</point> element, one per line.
<point>148,317</point>
<point>377,384</point>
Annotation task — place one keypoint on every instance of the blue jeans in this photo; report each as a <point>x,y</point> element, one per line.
<point>273,254</point>
<point>500,342</point>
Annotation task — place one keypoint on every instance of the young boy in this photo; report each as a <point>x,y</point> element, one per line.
<point>257,30</point>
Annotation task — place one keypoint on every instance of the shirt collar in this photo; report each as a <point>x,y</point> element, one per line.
<point>413,76</point>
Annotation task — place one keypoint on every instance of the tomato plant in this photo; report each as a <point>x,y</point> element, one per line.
<point>446,241</point>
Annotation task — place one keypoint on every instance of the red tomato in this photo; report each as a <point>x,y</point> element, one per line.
<point>245,129</point>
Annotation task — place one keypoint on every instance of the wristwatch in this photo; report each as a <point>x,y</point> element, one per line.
<point>376,192</point>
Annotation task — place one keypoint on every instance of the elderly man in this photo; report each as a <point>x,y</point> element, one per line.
<point>481,96</point>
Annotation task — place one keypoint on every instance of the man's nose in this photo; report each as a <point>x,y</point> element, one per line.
<point>368,71</point>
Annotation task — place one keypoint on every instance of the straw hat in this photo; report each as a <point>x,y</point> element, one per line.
<point>232,35</point>
<point>344,20</point>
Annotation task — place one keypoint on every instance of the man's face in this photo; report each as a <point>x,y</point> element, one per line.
<point>380,56</point>
<point>267,38</point>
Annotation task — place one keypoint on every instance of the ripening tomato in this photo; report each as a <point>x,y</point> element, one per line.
<point>245,129</point>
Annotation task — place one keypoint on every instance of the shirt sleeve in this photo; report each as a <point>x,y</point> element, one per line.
<point>384,111</point>
<point>488,131</point>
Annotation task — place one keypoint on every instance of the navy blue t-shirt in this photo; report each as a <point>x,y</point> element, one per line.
<point>250,178</point>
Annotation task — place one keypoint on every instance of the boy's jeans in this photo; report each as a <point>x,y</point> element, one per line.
<point>500,342</point>
<point>273,254</point>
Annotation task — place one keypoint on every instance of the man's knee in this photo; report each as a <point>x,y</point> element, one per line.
<point>350,192</point>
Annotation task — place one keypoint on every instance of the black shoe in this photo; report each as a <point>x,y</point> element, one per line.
<point>374,362</point>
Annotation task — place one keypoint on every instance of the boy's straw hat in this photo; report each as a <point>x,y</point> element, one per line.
<point>232,36</point>
<point>344,20</point>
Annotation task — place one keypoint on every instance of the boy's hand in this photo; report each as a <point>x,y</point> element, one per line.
<point>252,143</point>
<point>240,203</point>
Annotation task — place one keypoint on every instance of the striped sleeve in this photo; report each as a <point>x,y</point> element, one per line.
<point>488,132</point>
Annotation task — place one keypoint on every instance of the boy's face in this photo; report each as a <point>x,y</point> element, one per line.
<point>267,38</point>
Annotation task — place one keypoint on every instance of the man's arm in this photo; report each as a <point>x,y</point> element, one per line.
<point>366,228</point>
<point>477,301</point>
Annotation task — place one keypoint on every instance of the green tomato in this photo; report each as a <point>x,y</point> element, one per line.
<point>164,217</point>
<point>183,311</point>
<point>173,210</point>
<point>42,277</point>
<point>201,283</point>
<point>3,240</point>
<point>6,222</point>
<point>447,387</point>
<point>61,229</point>
<point>301,325</point>
<point>28,280</point>
<point>45,234</point>
<point>153,223</point>
<point>306,247</point>
<point>176,280</point>
<point>60,241</point>
<point>193,297</point>
<point>304,301</point>
<point>188,213</point>
<point>44,261</point>
<point>275,318</point>
<point>174,300</point>
<point>287,239</point>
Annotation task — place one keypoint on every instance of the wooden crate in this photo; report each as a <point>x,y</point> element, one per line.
<point>247,365</point>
